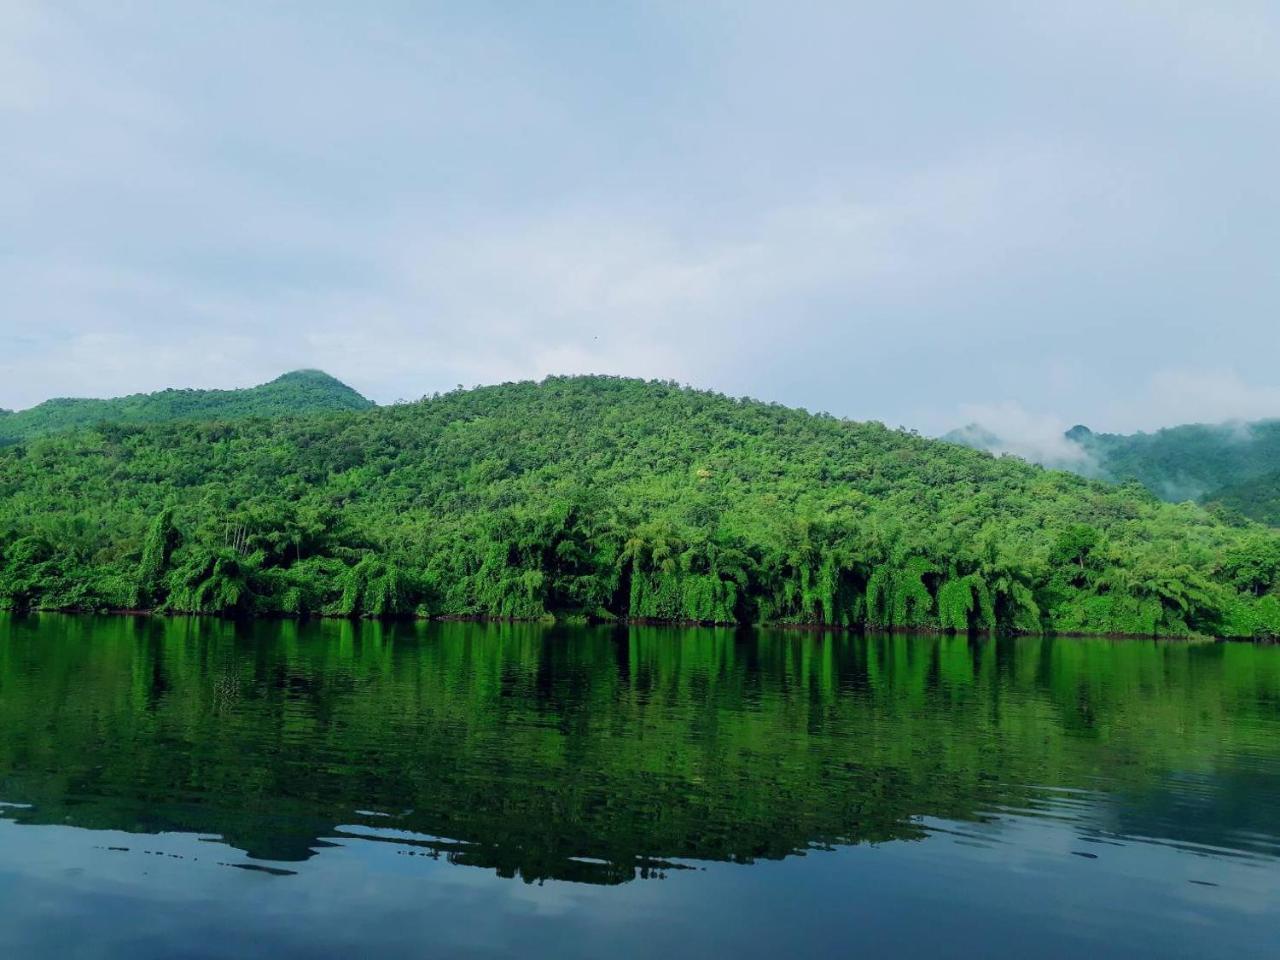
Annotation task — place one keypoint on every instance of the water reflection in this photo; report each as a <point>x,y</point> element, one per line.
<point>603,755</point>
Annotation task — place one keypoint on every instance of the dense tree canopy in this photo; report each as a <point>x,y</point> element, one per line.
<point>1257,498</point>
<point>302,391</point>
<point>597,497</point>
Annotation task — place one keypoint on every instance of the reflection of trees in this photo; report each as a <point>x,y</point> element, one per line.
<point>589,754</point>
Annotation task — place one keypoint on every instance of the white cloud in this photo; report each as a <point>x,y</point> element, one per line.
<point>838,209</point>
<point>1166,398</point>
<point>605,289</point>
<point>1032,436</point>
<point>643,292</point>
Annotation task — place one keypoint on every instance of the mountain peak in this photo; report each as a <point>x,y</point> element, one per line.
<point>307,374</point>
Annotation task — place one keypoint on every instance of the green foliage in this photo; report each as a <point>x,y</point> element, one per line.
<point>964,604</point>
<point>157,548</point>
<point>1257,498</point>
<point>603,498</point>
<point>897,595</point>
<point>1256,617</point>
<point>912,599</point>
<point>1253,566</point>
<point>1073,552</point>
<point>213,580</point>
<point>374,588</point>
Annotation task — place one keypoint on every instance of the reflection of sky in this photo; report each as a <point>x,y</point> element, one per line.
<point>1015,886</point>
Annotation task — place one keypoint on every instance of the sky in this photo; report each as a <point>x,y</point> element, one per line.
<point>1024,214</point>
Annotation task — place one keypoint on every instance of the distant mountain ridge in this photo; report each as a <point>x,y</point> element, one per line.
<point>1235,464</point>
<point>301,391</point>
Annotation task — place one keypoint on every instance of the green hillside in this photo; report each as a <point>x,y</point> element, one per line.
<point>596,497</point>
<point>1258,499</point>
<point>303,391</point>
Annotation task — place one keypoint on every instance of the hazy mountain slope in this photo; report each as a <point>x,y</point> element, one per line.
<point>1258,499</point>
<point>603,497</point>
<point>1187,462</point>
<point>303,391</point>
<point>1205,462</point>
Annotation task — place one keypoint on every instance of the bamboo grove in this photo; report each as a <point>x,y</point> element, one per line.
<point>598,498</point>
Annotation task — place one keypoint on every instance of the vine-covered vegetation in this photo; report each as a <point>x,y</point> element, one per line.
<point>302,391</point>
<point>603,498</point>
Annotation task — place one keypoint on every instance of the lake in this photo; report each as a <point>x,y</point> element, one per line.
<point>204,788</point>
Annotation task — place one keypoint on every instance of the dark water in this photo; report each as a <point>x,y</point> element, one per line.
<point>200,789</point>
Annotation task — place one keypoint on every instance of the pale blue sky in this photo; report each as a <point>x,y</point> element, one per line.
<point>924,213</point>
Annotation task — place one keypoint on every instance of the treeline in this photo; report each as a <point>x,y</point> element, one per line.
<point>605,498</point>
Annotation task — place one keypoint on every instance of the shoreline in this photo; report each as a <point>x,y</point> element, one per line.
<point>551,620</point>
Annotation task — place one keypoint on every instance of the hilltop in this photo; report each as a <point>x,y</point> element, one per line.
<point>302,391</point>
<point>602,498</point>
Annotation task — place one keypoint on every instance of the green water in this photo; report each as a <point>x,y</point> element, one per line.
<point>206,788</point>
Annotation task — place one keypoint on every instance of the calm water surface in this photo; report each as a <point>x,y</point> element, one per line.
<point>195,788</point>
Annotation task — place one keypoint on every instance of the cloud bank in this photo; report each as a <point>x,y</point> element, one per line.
<point>919,215</point>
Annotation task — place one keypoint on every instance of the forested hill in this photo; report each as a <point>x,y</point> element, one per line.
<point>1234,464</point>
<point>303,391</point>
<point>1258,498</point>
<point>602,497</point>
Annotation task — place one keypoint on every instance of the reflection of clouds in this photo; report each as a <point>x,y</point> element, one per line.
<point>66,886</point>
<point>149,887</point>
